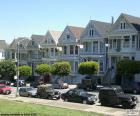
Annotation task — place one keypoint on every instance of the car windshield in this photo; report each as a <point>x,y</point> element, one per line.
<point>29,89</point>
<point>2,86</point>
<point>82,93</point>
<point>119,91</point>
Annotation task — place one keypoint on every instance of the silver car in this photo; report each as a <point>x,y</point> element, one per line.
<point>28,92</point>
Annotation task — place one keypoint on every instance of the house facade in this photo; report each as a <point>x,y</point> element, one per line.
<point>69,41</point>
<point>93,39</point>
<point>3,47</point>
<point>49,47</point>
<point>124,39</point>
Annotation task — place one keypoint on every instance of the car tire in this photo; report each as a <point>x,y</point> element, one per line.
<point>135,91</point>
<point>126,105</point>
<point>66,100</point>
<point>7,92</point>
<point>84,102</point>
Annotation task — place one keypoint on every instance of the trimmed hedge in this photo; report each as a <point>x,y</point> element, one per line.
<point>41,69</point>
<point>89,67</point>
<point>25,70</point>
<point>61,68</point>
<point>128,68</point>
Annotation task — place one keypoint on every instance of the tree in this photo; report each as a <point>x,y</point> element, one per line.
<point>7,69</point>
<point>61,68</point>
<point>41,69</point>
<point>89,67</point>
<point>25,70</point>
<point>128,68</point>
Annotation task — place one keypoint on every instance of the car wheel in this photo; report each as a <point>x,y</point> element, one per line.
<point>84,101</point>
<point>135,91</point>
<point>7,92</point>
<point>66,100</point>
<point>126,105</point>
<point>29,95</point>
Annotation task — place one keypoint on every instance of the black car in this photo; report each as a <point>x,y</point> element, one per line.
<point>21,83</point>
<point>47,92</point>
<point>113,95</point>
<point>80,96</point>
<point>6,82</point>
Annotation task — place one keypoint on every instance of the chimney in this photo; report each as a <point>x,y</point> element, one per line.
<point>112,20</point>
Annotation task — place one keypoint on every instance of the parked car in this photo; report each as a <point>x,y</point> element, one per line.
<point>5,89</point>
<point>47,91</point>
<point>60,86</point>
<point>80,96</point>
<point>21,83</point>
<point>27,92</point>
<point>6,82</point>
<point>113,95</point>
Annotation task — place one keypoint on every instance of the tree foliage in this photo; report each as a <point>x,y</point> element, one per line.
<point>25,70</point>
<point>41,69</point>
<point>7,69</point>
<point>128,67</point>
<point>61,68</point>
<point>89,67</point>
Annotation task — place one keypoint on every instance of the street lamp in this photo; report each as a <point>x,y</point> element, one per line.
<point>106,51</point>
<point>17,76</point>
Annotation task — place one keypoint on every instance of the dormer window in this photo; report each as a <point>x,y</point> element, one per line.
<point>122,26</point>
<point>68,36</point>
<point>91,32</point>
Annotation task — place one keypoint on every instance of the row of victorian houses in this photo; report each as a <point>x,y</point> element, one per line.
<point>105,43</point>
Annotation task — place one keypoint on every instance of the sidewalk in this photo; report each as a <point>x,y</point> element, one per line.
<point>107,111</point>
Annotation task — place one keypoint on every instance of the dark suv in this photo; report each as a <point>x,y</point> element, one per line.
<point>80,96</point>
<point>47,91</point>
<point>111,96</point>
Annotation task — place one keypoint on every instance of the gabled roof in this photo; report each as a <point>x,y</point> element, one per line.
<point>76,31</point>
<point>23,40</point>
<point>3,44</point>
<point>102,27</point>
<point>38,38</point>
<point>135,21</point>
<point>55,35</point>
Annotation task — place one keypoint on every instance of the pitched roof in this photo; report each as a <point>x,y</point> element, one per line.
<point>3,44</point>
<point>76,31</point>
<point>135,21</point>
<point>23,40</point>
<point>55,35</point>
<point>102,27</point>
<point>38,38</point>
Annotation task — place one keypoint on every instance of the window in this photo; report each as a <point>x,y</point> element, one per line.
<point>122,25</point>
<point>114,43</point>
<point>91,32</point>
<point>3,54</point>
<point>33,42</point>
<point>65,49</point>
<point>76,49</point>
<point>133,41</point>
<point>68,36</point>
<point>126,42</point>
<point>71,49</point>
<point>52,51</point>
<point>76,66</point>
<point>51,41</point>
<point>95,46</point>
<point>101,65</point>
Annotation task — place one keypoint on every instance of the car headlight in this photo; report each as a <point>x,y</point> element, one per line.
<point>90,99</point>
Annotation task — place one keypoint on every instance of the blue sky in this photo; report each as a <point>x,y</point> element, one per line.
<point>22,18</point>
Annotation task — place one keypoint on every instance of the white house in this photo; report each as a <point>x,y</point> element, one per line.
<point>69,43</point>
<point>3,47</point>
<point>93,38</point>
<point>124,39</point>
<point>49,46</point>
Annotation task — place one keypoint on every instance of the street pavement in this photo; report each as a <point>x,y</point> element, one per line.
<point>107,111</point>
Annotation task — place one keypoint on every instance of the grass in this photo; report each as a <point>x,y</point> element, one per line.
<point>7,106</point>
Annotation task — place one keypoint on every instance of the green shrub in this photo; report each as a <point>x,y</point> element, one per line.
<point>89,67</point>
<point>41,69</point>
<point>25,70</point>
<point>61,68</point>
